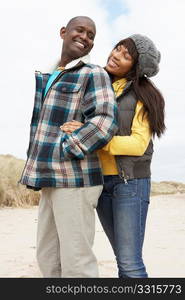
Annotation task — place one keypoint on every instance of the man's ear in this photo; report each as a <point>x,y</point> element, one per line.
<point>62,32</point>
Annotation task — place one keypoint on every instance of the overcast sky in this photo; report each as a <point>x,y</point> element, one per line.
<point>30,41</point>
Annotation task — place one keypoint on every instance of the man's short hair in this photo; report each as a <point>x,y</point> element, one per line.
<point>78,17</point>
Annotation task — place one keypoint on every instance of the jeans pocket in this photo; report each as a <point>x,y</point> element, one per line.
<point>128,189</point>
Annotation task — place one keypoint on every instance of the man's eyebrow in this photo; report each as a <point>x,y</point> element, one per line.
<point>82,27</point>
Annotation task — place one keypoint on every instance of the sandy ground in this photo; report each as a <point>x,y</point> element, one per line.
<point>164,247</point>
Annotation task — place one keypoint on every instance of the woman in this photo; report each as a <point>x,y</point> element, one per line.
<point>126,159</point>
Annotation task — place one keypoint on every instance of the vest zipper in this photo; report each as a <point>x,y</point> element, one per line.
<point>123,176</point>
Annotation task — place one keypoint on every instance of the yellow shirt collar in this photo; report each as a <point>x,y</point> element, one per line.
<point>119,86</point>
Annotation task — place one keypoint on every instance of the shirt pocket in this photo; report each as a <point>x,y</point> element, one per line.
<point>67,87</point>
<point>67,95</point>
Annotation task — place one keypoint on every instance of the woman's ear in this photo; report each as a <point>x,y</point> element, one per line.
<point>62,32</point>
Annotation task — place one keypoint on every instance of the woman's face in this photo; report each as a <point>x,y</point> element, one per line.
<point>119,62</point>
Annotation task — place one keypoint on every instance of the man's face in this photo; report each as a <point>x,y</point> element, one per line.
<point>78,38</point>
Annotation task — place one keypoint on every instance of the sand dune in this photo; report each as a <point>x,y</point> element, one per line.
<point>164,246</point>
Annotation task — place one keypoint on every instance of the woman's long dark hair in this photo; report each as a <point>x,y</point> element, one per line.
<point>146,92</point>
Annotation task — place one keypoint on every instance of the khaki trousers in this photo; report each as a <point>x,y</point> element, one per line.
<point>65,234</point>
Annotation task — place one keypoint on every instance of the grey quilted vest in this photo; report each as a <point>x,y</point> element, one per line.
<point>131,167</point>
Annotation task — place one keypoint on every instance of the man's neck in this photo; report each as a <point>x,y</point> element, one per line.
<point>70,63</point>
<point>64,61</point>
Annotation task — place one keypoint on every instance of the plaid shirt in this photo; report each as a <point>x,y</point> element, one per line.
<point>55,159</point>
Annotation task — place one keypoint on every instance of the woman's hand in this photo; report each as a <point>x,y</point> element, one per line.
<point>71,126</point>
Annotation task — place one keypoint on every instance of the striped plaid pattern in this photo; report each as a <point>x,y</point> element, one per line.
<point>55,159</point>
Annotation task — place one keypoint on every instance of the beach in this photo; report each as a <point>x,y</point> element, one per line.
<point>164,246</point>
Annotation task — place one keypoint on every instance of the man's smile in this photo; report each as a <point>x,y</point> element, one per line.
<point>81,44</point>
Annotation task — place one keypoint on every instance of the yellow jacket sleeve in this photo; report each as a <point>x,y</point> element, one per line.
<point>134,144</point>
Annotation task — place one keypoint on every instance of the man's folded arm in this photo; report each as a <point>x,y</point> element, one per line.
<point>100,112</point>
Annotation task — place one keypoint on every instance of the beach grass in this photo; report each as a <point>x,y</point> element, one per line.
<point>13,194</point>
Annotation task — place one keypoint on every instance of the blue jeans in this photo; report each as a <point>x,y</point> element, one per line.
<point>122,210</point>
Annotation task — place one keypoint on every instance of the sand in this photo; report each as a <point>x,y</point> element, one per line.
<point>164,246</point>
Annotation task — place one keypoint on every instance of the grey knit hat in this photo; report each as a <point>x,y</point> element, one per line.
<point>149,56</point>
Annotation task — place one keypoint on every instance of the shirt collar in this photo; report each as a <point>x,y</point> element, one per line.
<point>85,59</point>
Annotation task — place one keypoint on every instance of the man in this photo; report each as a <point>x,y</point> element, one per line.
<point>66,167</point>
